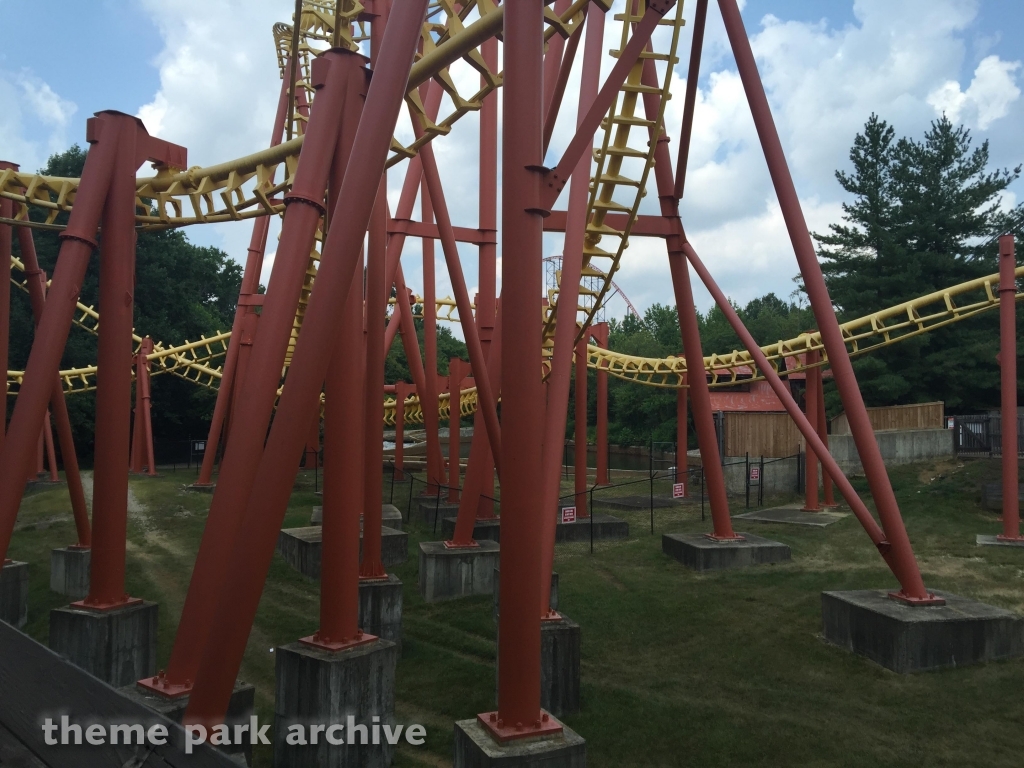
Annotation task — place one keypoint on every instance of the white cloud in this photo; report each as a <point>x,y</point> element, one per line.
<point>34,119</point>
<point>986,99</point>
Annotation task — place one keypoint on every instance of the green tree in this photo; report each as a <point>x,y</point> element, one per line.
<point>923,216</point>
<point>182,292</point>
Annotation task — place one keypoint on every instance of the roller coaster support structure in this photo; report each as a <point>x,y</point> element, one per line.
<point>6,242</point>
<point>265,495</point>
<point>58,406</point>
<point>120,145</point>
<point>811,394</point>
<point>248,300</point>
<point>1008,381</point>
<point>142,431</point>
<point>682,437</point>
<point>600,335</point>
<point>457,371</point>
<point>258,388</point>
<point>897,547</point>
<point>826,478</point>
<point>580,452</point>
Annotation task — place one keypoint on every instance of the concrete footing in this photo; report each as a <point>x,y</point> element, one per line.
<point>380,609</point>
<point>208,488</point>
<point>697,551</point>
<point>302,548</point>
<point>476,748</point>
<point>984,540</point>
<point>240,710</point>
<point>489,529</point>
<point>14,593</point>
<point>320,687</point>
<point>599,526</point>
<point>560,649</point>
<point>432,509</point>
<point>446,574</point>
<point>794,514</point>
<point>906,638</point>
<point>69,571</point>
<point>117,646</point>
<point>391,516</point>
<point>553,599</point>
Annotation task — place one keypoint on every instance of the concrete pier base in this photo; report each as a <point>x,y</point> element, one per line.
<point>560,643</point>
<point>302,548</point>
<point>984,540</point>
<point>599,525</point>
<point>208,488</point>
<point>391,516</point>
<point>69,571</point>
<point>489,529</point>
<point>380,609</point>
<point>117,646</point>
<point>432,508</point>
<point>553,599</point>
<point>240,710</point>
<point>446,574</point>
<point>697,551</point>
<point>907,638</point>
<point>476,748</point>
<point>316,686</point>
<point>14,593</point>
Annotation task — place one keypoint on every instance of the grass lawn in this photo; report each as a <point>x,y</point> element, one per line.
<point>725,669</point>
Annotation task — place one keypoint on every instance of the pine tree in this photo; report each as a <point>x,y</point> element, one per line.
<point>924,216</point>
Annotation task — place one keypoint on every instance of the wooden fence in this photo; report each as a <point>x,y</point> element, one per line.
<point>772,435</point>
<point>775,435</point>
<point>916,416</point>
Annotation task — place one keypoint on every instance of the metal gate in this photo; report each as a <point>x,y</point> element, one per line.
<point>982,435</point>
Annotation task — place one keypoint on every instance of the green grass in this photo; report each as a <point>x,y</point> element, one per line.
<point>722,669</point>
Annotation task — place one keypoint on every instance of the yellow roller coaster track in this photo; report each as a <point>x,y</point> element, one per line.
<point>248,187</point>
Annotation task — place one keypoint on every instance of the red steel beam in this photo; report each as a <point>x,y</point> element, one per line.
<point>700,18</point>
<point>682,438</point>
<point>77,244</point>
<point>644,225</point>
<point>267,499</point>
<point>36,280</point>
<point>249,287</point>
<point>599,332</point>
<point>522,387</point>
<point>258,386</point>
<point>811,395</point>
<point>902,555</point>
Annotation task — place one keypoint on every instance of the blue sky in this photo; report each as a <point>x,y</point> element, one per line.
<point>202,73</point>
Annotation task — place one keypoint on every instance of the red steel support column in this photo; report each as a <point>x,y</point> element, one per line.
<point>786,397</point>
<point>700,395</point>
<point>401,393</point>
<point>523,515</point>
<point>431,422</point>
<point>600,334</point>
<point>258,387</point>
<point>344,433</point>
<point>372,566</point>
<point>485,396</point>
<point>77,245</point>
<point>580,396</point>
<point>811,395</point>
<point>456,373</point>
<point>682,437</point>
<point>142,435</point>
<point>36,280</point>
<point>558,380</point>
<point>690,102</point>
<point>113,376</point>
<point>267,498</point>
<point>487,271</point>
<point>826,478</point>
<point>553,61</point>
<point>902,554</point>
<point>51,455</point>
<point>6,241</point>
<point>1008,386</point>
<point>249,287</point>
<point>479,474</point>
